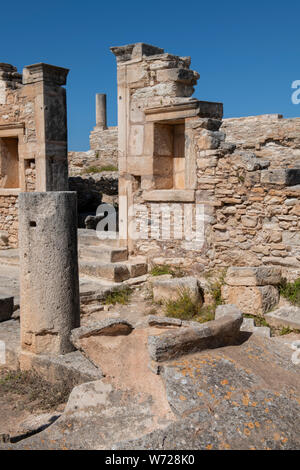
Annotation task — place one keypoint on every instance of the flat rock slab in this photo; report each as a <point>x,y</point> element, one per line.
<point>285,316</point>
<point>10,337</point>
<point>96,416</point>
<point>240,397</point>
<point>72,368</point>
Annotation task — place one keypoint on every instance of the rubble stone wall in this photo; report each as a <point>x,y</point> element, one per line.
<point>105,144</point>
<point>270,135</point>
<point>9,219</point>
<point>244,173</point>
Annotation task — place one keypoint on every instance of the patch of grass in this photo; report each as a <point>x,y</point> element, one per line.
<point>214,288</point>
<point>186,307</point>
<point>97,169</point>
<point>36,393</point>
<point>160,270</point>
<point>121,296</point>
<point>109,168</point>
<point>285,330</point>
<point>290,291</point>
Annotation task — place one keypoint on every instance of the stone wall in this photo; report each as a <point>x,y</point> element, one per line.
<point>105,144</point>
<point>244,173</point>
<point>9,220</point>
<point>271,137</point>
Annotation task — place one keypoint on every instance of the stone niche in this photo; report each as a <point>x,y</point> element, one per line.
<point>168,158</point>
<point>9,163</point>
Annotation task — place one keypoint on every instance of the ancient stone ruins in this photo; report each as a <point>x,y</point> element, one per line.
<point>155,275</point>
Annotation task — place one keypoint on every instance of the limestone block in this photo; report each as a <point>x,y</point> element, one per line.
<point>6,307</point>
<point>252,300</point>
<point>169,195</point>
<point>209,140</point>
<point>203,163</point>
<point>177,75</point>
<point>142,166</point>
<point>291,238</point>
<point>253,276</point>
<point>180,341</point>
<point>288,177</point>
<point>227,309</point>
<point>285,316</point>
<point>169,289</point>
<point>71,369</point>
<point>136,140</point>
<point>248,221</point>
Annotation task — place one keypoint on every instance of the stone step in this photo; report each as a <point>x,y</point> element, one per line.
<point>102,253</point>
<point>90,238</point>
<point>116,272</point>
<point>10,256</point>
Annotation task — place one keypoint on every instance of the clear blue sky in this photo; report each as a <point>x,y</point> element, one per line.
<point>247,53</point>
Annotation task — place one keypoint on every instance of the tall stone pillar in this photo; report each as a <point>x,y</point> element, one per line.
<point>48,271</point>
<point>45,83</point>
<point>101,110</point>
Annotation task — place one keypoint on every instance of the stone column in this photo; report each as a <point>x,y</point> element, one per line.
<point>49,297</point>
<point>101,110</point>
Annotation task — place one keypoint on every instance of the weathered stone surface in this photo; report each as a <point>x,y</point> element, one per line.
<point>182,341</point>
<point>35,424</point>
<point>224,310</point>
<point>72,368</point>
<point>169,289</point>
<point>220,400</point>
<point>162,322</point>
<point>249,327</point>
<point>285,316</point>
<point>253,276</point>
<point>116,272</point>
<point>96,416</point>
<point>49,283</point>
<point>6,307</point>
<point>107,327</point>
<point>252,300</point>
<point>224,401</point>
